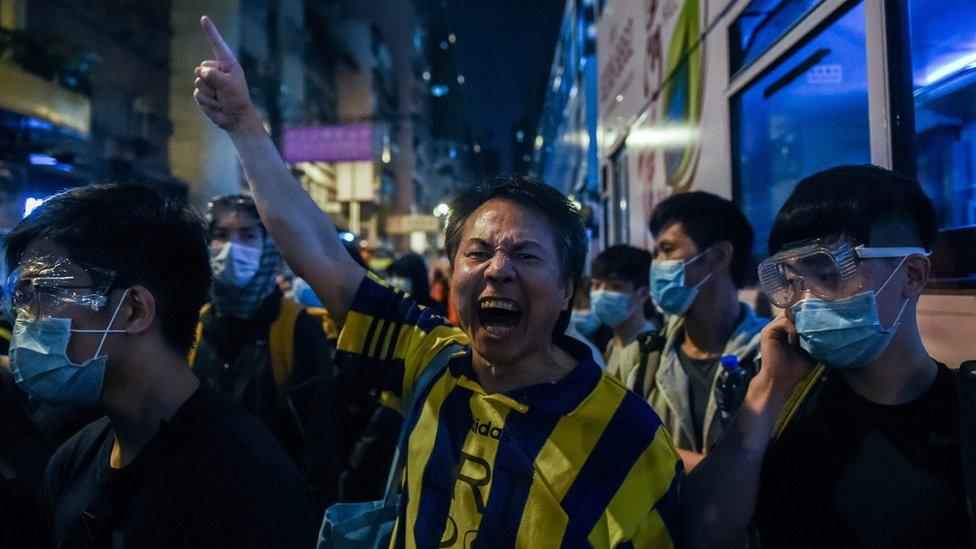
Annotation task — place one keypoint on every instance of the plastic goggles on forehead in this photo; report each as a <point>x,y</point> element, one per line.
<point>235,202</point>
<point>42,287</point>
<point>825,268</point>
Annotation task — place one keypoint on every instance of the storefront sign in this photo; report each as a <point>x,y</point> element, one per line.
<point>346,143</point>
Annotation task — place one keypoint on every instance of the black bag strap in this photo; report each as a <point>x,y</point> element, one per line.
<point>650,344</point>
<point>411,413</point>
<point>966,383</point>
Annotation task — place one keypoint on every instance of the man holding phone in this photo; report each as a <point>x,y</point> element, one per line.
<point>849,433</point>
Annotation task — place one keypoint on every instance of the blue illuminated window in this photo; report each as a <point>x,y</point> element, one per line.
<point>760,25</point>
<point>808,113</point>
<point>943,48</point>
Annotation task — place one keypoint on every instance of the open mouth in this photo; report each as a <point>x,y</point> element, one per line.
<point>498,316</point>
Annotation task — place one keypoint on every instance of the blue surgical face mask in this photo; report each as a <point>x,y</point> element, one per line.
<point>235,265</point>
<point>668,288</point>
<point>611,308</point>
<point>585,322</point>
<point>40,364</point>
<point>845,333</point>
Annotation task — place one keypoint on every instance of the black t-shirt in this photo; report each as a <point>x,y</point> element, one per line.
<point>851,473</point>
<point>701,378</point>
<point>211,477</point>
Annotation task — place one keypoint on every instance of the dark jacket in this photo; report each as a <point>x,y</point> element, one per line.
<point>296,402</point>
<point>211,477</point>
<point>23,455</point>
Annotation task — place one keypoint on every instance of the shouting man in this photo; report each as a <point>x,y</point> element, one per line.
<point>521,436</point>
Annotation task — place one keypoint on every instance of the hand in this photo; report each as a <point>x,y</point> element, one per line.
<point>784,363</point>
<point>220,89</point>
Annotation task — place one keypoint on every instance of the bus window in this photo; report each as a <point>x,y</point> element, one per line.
<point>943,47</point>
<point>759,25</point>
<point>807,113</point>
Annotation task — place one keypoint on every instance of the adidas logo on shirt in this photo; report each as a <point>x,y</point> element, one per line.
<point>489,430</point>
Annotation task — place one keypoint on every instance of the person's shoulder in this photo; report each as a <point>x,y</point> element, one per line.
<point>89,438</point>
<point>231,431</point>
<point>75,455</point>
<point>241,467</point>
<point>628,406</point>
<point>945,389</point>
<point>318,319</point>
<point>749,328</point>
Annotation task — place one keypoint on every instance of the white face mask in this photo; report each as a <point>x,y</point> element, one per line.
<point>234,264</point>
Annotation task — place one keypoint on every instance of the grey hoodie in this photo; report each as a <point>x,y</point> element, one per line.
<point>667,391</point>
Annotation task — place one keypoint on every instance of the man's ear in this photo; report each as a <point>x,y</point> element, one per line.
<point>721,253</point>
<point>917,270</point>
<point>569,294</point>
<point>139,310</point>
<point>642,293</point>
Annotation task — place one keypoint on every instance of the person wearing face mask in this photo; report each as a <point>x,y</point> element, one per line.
<point>584,325</point>
<point>618,292</point>
<point>267,352</point>
<point>702,245</point>
<point>853,432</point>
<point>107,287</point>
<point>409,274</point>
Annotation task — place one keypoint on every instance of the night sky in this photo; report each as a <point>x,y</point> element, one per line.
<point>505,50</point>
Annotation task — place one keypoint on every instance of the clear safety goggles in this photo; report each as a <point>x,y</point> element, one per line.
<point>825,268</point>
<point>44,286</point>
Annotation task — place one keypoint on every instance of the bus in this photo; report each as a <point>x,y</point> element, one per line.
<point>743,98</point>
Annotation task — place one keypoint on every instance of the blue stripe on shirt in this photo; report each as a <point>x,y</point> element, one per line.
<point>626,437</point>
<point>523,438</point>
<point>437,487</point>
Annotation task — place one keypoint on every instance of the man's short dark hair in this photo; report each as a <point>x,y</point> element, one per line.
<point>874,205</point>
<point>567,224</point>
<point>625,263</point>
<point>133,230</point>
<point>708,220</point>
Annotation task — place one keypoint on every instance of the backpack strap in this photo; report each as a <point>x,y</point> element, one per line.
<point>966,384</point>
<point>281,342</point>
<point>650,345</point>
<point>798,398</point>
<point>198,337</point>
<point>425,382</point>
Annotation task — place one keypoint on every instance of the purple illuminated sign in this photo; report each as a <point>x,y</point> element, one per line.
<point>347,143</point>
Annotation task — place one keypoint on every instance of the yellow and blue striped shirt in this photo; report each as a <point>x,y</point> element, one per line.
<point>580,462</point>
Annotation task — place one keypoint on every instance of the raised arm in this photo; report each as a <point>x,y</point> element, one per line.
<point>304,233</point>
<point>718,498</point>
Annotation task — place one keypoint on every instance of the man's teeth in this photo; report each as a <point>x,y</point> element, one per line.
<point>498,304</point>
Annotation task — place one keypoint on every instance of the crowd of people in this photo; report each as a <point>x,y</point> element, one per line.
<point>168,387</point>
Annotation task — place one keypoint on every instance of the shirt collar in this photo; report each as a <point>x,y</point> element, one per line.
<point>561,397</point>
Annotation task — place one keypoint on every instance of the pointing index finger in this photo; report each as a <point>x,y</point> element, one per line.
<point>222,52</point>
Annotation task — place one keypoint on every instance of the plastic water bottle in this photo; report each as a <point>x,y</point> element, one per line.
<point>731,388</point>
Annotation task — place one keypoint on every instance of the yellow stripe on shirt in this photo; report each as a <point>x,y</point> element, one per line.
<point>558,462</point>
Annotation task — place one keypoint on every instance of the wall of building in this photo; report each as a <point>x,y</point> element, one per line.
<point>199,153</point>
